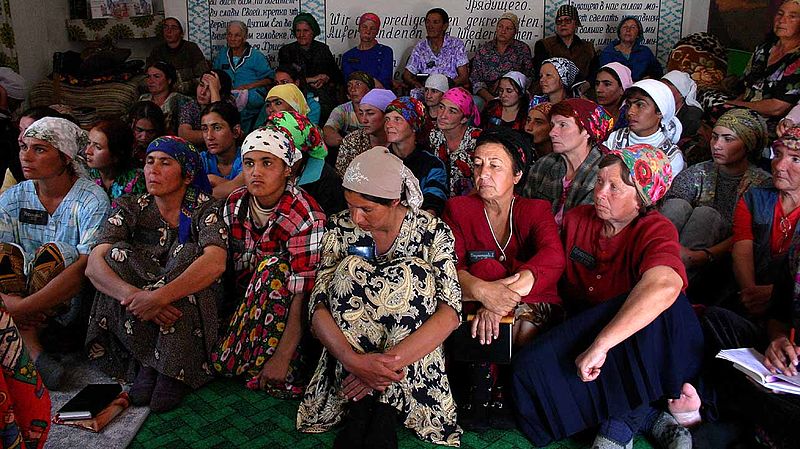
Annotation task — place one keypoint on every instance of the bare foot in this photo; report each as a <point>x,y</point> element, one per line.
<point>686,409</point>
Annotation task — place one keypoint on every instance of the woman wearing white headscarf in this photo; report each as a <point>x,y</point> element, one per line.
<point>652,121</point>
<point>688,109</point>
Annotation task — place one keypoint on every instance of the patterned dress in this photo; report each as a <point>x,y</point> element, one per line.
<point>459,162</point>
<point>129,182</point>
<point>146,253</point>
<point>379,303</point>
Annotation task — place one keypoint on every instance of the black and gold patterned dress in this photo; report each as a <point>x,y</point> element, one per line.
<point>377,304</point>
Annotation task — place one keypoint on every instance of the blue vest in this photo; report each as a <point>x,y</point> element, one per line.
<point>761,203</point>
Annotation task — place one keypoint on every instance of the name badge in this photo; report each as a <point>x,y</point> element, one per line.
<point>477,256</point>
<point>430,64</point>
<point>33,216</point>
<point>582,257</point>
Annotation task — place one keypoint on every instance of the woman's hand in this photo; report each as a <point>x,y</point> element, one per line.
<point>756,299</point>
<point>318,81</point>
<point>212,80</point>
<point>273,372</point>
<point>14,305</point>
<point>354,388</point>
<point>144,304</point>
<point>167,316</point>
<point>486,326</point>
<point>781,355</point>
<point>692,259</point>
<point>590,362</point>
<point>498,296</point>
<point>375,370</point>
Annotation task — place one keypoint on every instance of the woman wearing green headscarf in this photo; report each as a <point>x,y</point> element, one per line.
<point>316,62</point>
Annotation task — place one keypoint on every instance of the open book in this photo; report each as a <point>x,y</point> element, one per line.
<point>751,362</point>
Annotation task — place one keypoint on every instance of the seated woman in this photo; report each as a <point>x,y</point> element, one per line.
<point>566,176</point>
<point>370,56</point>
<point>284,97</point>
<point>109,157</point>
<point>688,109</point>
<point>435,86</point>
<point>276,230</point>
<point>556,77</point>
<point>526,258</point>
<point>147,122</point>
<point>629,50</point>
<point>386,297</point>
<point>185,56</point>
<point>155,268</point>
<point>650,111</point>
<point>344,118</point>
<point>222,161</point>
<point>610,84</point>
<point>538,127</point>
<point>702,198</point>
<point>632,335</point>
<point>290,74</point>
<point>454,139</point>
<point>371,134</point>
<point>439,52</point>
<point>48,226</point>
<point>510,107</point>
<point>214,86</point>
<point>161,79</point>
<point>499,56</point>
<point>13,174</point>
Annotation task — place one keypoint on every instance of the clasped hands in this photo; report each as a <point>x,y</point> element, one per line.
<point>370,372</point>
<point>149,305</point>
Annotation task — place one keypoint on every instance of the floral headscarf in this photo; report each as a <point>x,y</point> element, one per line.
<point>306,137</point>
<point>63,135</point>
<point>650,171</point>
<point>192,165</point>
<point>567,70</point>
<point>544,108</point>
<point>790,139</point>
<point>411,109</point>
<point>748,126</point>
<point>465,103</point>
<point>593,117</point>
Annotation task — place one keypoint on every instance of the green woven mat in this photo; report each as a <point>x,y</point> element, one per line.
<point>225,414</point>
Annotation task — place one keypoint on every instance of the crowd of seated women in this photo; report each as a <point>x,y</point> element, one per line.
<point>224,236</point>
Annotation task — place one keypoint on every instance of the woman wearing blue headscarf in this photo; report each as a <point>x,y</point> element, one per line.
<point>155,268</point>
<point>629,50</point>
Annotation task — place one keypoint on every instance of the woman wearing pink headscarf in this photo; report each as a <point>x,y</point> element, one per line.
<point>454,140</point>
<point>610,83</point>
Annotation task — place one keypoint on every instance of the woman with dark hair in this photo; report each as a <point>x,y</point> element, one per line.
<point>109,157</point>
<point>161,79</point>
<point>538,127</point>
<point>439,52</point>
<point>290,74</point>
<point>610,84</point>
<point>629,50</point>
<point>511,106</point>
<point>214,85</point>
<point>147,122</point>
<point>221,128</point>
<point>185,56</point>
<point>13,174</point>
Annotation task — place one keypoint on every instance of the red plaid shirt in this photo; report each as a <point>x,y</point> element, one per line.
<point>294,231</point>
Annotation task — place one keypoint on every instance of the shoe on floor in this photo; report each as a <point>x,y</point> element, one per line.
<point>168,394</point>
<point>142,390</point>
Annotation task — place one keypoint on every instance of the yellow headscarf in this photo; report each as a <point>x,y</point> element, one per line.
<point>292,95</point>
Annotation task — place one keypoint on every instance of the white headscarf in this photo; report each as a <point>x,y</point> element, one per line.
<point>62,134</point>
<point>662,96</point>
<point>685,85</point>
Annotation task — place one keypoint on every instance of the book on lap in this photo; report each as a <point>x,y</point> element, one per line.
<point>751,362</point>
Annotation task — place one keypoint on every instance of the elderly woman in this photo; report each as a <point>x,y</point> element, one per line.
<point>156,268</point>
<point>147,122</point>
<point>499,56</point>
<point>290,74</point>
<point>556,77</point>
<point>316,62</point>
<point>439,52</point>
<point>633,336</point>
<point>185,56</point>
<point>371,134</point>
<point>276,229</point>
<point>525,257</point>
<point>629,50</point>
<point>511,106</point>
<point>702,198</point>
<point>248,69</point>
<point>610,84</point>
<point>538,127</point>
<point>344,118</point>
<point>650,112</point>
<point>215,85</point>
<point>386,297</point>
<point>566,177</point>
<point>454,139</point>
<point>109,157</point>
<point>48,226</point>
<point>370,56</point>
<point>161,78</point>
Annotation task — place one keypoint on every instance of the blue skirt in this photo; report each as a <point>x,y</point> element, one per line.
<point>552,401</point>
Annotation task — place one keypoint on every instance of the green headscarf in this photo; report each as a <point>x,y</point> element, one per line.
<point>309,19</point>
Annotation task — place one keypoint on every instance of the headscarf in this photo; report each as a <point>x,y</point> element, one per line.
<point>291,94</point>
<point>380,173</point>
<point>379,98</point>
<point>639,33</point>
<point>519,79</point>
<point>663,98</point>
<point>192,166</point>
<point>364,77</point>
<point>748,126</point>
<point>570,11</point>
<point>518,146</point>
<point>305,137</point>
<point>411,109</point>
<point>544,108</point>
<point>437,81</point>
<point>623,73</point>
<point>790,139</point>
<point>593,118</point>
<point>464,101</point>
<point>685,85</point>
<point>567,70</point>
<point>309,19</point>
<point>63,135</point>
<point>273,141</point>
<point>510,16</point>
<point>649,169</point>
<point>371,17</point>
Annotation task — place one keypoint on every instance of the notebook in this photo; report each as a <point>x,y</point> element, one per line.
<point>89,402</point>
<point>751,362</point>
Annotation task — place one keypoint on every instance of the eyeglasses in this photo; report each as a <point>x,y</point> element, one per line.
<point>564,21</point>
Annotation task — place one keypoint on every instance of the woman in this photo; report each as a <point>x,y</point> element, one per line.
<point>651,121</point>
<point>344,118</point>
<point>381,361</point>
<point>284,97</point>
<point>290,74</point>
<point>439,52</point>
<point>371,134</point>
<point>633,336</point>
<point>566,177</point>
<point>147,122</point>
<point>702,198</point>
<point>538,127</point>
<point>556,77</point>
<point>526,259</point>
<point>248,69</point>
<point>629,50</point>
<point>315,61</point>
<point>156,305</point>
<point>611,82</point>
<point>510,107</point>
<point>13,174</point>
<point>222,160</point>
<point>688,109</point>
<point>499,56</point>
<point>214,86</point>
<point>109,157</point>
<point>161,78</point>
<point>370,56</point>
<point>185,56</point>
<point>277,228</point>
<point>454,139</point>
<point>435,86</point>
